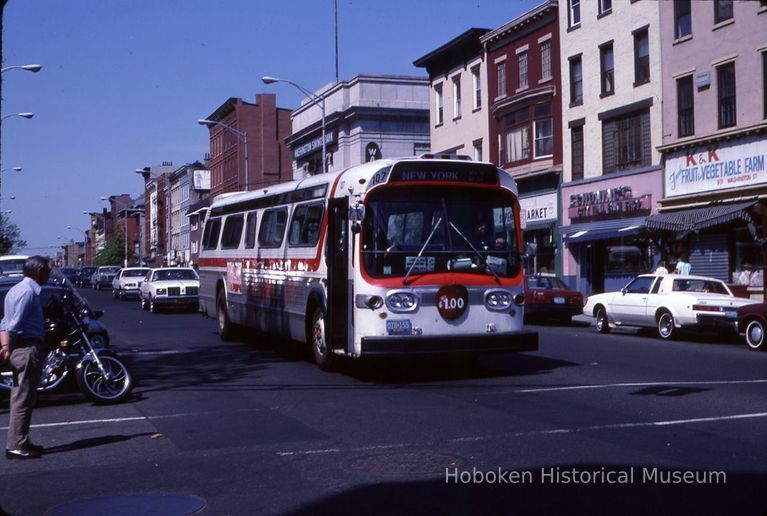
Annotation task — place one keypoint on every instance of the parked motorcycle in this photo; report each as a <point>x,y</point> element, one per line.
<point>101,374</point>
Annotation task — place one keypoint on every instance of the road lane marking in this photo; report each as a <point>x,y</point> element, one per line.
<point>533,433</point>
<point>632,384</point>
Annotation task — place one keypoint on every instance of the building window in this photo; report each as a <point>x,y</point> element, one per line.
<point>478,150</point>
<point>546,61</point>
<point>477,85</point>
<point>439,108</point>
<point>626,142</point>
<point>576,81</point>
<point>725,81</point>
<point>575,12</point>
<point>544,138</point>
<point>685,106</point>
<point>456,97</point>
<point>722,10</point>
<point>522,70</point>
<point>502,79</point>
<point>606,62</point>
<point>605,6</point>
<point>576,139</point>
<point>518,144</point>
<point>682,19</point>
<point>641,57</point>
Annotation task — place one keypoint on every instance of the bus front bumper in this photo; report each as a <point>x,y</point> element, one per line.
<point>436,345</point>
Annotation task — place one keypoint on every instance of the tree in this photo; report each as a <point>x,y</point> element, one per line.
<point>113,252</point>
<point>10,236</point>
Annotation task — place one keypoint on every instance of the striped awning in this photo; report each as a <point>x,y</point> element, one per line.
<point>602,230</point>
<point>693,220</point>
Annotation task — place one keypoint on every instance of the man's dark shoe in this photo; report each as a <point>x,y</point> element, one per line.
<point>22,454</point>
<point>34,448</point>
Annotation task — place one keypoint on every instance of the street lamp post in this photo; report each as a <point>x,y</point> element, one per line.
<point>126,213</point>
<point>34,68</point>
<point>22,115</point>
<point>314,97</point>
<point>240,134</point>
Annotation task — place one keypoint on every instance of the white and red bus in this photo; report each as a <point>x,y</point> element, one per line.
<point>409,256</point>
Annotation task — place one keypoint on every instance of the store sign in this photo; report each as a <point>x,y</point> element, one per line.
<point>608,203</point>
<point>717,167</point>
<point>313,145</point>
<point>541,208</point>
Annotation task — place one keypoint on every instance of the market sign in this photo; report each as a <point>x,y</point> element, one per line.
<point>717,166</point>
<point>608,203</point>
<point>541,208</point>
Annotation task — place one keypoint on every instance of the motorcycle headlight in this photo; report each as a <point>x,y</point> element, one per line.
<point>402,302</point>
<point>162,291</point>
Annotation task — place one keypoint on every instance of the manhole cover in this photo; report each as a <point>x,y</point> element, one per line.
<point>407,463</point>
<point>130,505</point>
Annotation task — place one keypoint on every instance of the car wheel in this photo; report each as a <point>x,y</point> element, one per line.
<point>323,355</point>
<point>121,295</point>
<point>603,323</point>
<point>153,306</point>
<point>144,304</point>
<point>114,294</point>
<point>666,328</point>
<point>755,335</point>
<point>225,327</point>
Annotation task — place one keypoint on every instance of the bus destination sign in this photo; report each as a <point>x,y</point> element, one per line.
<point>445,175</point>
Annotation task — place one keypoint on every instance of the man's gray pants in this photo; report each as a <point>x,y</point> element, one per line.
<point>27,362</point>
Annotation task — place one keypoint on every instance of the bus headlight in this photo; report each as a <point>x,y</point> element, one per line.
<point>402,302</point>
<point>497,300</point>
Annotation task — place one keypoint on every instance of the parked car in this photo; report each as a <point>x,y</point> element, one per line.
<point>58,286</point>
<point>84,276</point>
<point>170,286</point>
<point>752,320</point>
<point>70,273</point>
<point>668,303</point>
<point>103,276</point>
<point>12,265</point>
<point>548,296</point>
<point>127,281</point>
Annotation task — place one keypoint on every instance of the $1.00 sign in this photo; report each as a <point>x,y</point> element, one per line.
<point>452,301</point>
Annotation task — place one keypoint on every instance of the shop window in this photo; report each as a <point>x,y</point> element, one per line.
<point>725,80</point>
<point>627,259</point>
<point>685,106</point>
<point>682,19</point>
<point>722,10</point>
<point>747,261</point>
<point>576,81</point>
<point>576,139</point>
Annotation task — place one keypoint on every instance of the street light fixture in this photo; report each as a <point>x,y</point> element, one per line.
<point>34,68</point>
<point>240,134</point>
<point>266,79</point>
<point>22,115</point>
<point>15,169</point>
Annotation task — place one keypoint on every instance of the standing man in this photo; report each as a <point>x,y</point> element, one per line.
<point>683,266</point>
<point>21,337</point>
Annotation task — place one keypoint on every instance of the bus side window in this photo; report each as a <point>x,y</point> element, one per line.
<point>305,225</point>
<point>232,235</point>
<point>211,233</point>
<point>272,229</point>
<point>250,230</point>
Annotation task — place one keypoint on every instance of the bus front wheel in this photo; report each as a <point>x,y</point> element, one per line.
<point>225,328</point>
<point>318,339</point>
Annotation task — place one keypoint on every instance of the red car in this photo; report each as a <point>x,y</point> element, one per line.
<point>548,296</point>
<point>752,319</point>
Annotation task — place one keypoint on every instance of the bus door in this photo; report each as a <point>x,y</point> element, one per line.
<point>338,273</point>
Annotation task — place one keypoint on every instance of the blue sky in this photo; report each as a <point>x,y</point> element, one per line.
<point>124,81</point>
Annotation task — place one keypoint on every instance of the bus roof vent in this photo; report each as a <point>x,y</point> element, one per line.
<point>461,157</point>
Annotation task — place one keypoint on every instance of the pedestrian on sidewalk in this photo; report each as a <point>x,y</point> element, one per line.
<point>683,266</point>
<point>22,333</point>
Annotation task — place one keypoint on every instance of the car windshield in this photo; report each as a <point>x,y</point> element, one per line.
<point>135,273</point>
<point>110,270</point>
<point>174,274</point>
<point>453,229</point>
<point>545,283</point>
<point>699,285</point>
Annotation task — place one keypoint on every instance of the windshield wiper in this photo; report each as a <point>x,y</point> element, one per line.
<point>433,230</point>
<point>483,258</point>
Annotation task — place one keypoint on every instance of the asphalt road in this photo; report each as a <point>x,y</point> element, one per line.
<point>588,424</point>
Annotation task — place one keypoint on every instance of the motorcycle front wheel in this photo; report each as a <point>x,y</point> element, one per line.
<point>113,387</point>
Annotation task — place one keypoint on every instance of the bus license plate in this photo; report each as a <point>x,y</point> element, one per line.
<point>399,327</point>
<point>559,300</point>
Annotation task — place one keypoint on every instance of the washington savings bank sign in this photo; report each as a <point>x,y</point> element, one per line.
<point>717,167</point>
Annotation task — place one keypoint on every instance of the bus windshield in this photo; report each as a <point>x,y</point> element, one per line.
<point>454,230</point>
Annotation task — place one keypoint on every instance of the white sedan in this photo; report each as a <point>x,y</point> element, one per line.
<point>127,281</point>
<point>170,286</point>
<point>667,302</point>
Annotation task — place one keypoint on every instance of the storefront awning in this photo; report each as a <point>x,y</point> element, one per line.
<point>693,220</point>
<point>603,229</point>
